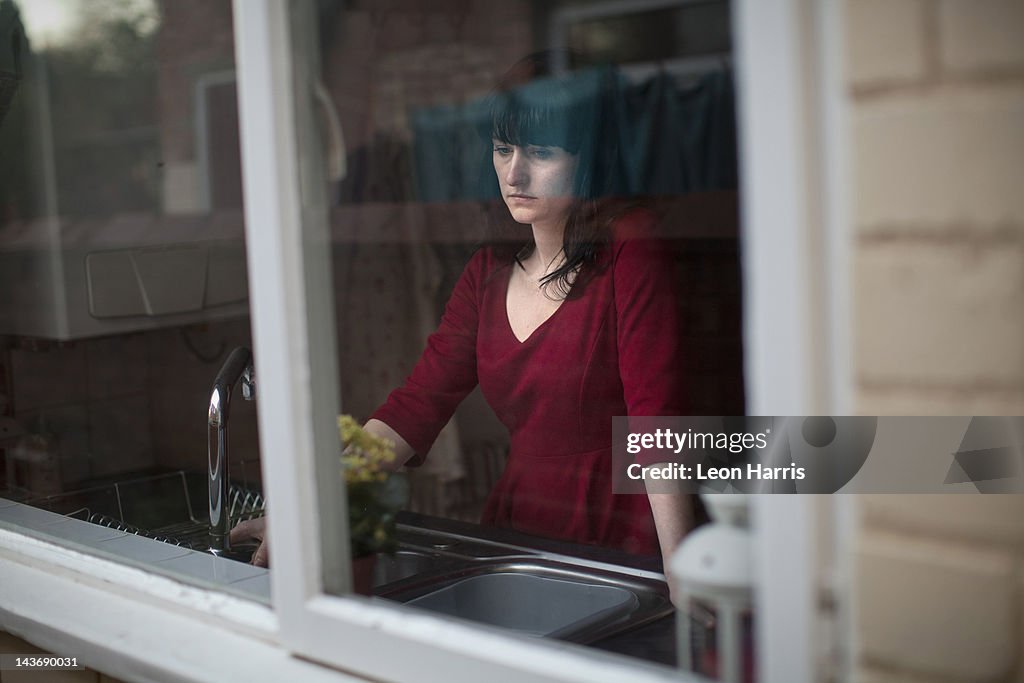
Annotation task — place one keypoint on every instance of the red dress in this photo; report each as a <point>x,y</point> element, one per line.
<point>612,350</point>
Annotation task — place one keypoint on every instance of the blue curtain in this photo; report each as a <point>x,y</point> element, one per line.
<point>672,139</point>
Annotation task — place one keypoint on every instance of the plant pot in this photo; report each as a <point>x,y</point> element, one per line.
<point>362,574</point>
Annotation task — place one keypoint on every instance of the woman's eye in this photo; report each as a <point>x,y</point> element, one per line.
<point>503,150</point>
<point>543,152</point>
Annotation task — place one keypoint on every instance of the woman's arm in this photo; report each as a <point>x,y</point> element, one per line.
<point>256,529</point>
<point>673,518</point>
<point>403,451</point>
<point>444,375</point>
<point>651,352</point>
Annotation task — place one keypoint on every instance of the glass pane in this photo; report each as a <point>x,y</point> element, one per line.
<point>463,162</point>
<point>122,262</point>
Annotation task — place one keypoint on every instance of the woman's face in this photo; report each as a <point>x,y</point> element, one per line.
<point>536,181</point>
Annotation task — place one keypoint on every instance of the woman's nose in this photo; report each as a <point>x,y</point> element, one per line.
<point>516,174</point>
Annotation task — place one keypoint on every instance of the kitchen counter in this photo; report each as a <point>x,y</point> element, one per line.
<point>653,640</point>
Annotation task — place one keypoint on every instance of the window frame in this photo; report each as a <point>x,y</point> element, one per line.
<point>292,297</point>
<point>775,41</point>
<point>797,211</point>
<point>779,201</point>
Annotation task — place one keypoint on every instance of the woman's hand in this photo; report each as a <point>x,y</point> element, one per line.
<point>253,530</point>
<point>673,518</point>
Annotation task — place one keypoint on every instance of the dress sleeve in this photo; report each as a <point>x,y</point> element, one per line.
<point>445,372</point>
<point>647,312</point>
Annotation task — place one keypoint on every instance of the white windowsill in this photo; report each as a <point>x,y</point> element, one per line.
<point>172,561</point>
<point>119,617</point>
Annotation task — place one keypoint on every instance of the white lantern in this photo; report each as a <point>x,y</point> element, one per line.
<point>713,580</point>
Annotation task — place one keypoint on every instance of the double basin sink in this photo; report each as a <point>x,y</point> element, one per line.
<point>532,586</point>
<point>462,570</point>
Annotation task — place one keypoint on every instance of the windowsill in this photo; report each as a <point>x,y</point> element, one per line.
<point>136,615</point>
<point>125,607</point>
<point>175,562</point>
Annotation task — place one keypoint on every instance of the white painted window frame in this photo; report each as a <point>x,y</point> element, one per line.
<point>792,132</point>
<point>788,111</point>
<point>291,296</point>
<point>797,247</point>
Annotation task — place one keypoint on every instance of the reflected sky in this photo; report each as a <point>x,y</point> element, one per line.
<point>53,23</point>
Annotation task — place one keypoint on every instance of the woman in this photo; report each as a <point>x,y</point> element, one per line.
<point>563,333</point>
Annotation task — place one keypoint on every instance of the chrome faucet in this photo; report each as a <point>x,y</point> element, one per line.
<point>237,367</point>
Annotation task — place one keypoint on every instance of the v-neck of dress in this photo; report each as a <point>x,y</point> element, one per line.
<point>508,320</point>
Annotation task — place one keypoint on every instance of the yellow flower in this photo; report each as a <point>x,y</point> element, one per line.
<point>365,457</point>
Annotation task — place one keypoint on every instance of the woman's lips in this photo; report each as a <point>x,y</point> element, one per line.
<point>520,198</point>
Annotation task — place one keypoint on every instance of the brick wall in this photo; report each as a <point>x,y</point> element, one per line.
<point>936,92</point>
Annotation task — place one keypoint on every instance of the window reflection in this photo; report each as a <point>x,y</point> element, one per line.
<point>420,199</point>
<point>420,195</point>
<point>121,238</point>
<point>122,260</point>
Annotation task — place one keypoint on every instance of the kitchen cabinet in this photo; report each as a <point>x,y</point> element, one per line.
<point>130,272</point>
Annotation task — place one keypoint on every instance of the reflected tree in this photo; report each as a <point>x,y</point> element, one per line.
<point>90,96</point>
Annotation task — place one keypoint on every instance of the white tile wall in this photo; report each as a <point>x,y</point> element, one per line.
<point>142,549</point>
<point>121,435</point>
<point>209,568</point>
<point>117,366</point>
<point>48,378</point>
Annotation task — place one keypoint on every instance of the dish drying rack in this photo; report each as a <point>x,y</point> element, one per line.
<point>158,507</point>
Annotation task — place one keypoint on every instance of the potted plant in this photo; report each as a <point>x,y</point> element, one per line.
<point>375,495</point>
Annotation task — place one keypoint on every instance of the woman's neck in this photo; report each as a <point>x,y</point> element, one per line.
<point>547,240</point>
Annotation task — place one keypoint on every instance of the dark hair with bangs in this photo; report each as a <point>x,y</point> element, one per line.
<point>530,106</point>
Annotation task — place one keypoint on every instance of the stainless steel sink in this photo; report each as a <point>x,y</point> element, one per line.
<point>531,586</point>
<point>403,564</point>
<point>530,603</point>
<point>536,596</point>
<point>442,567</point>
